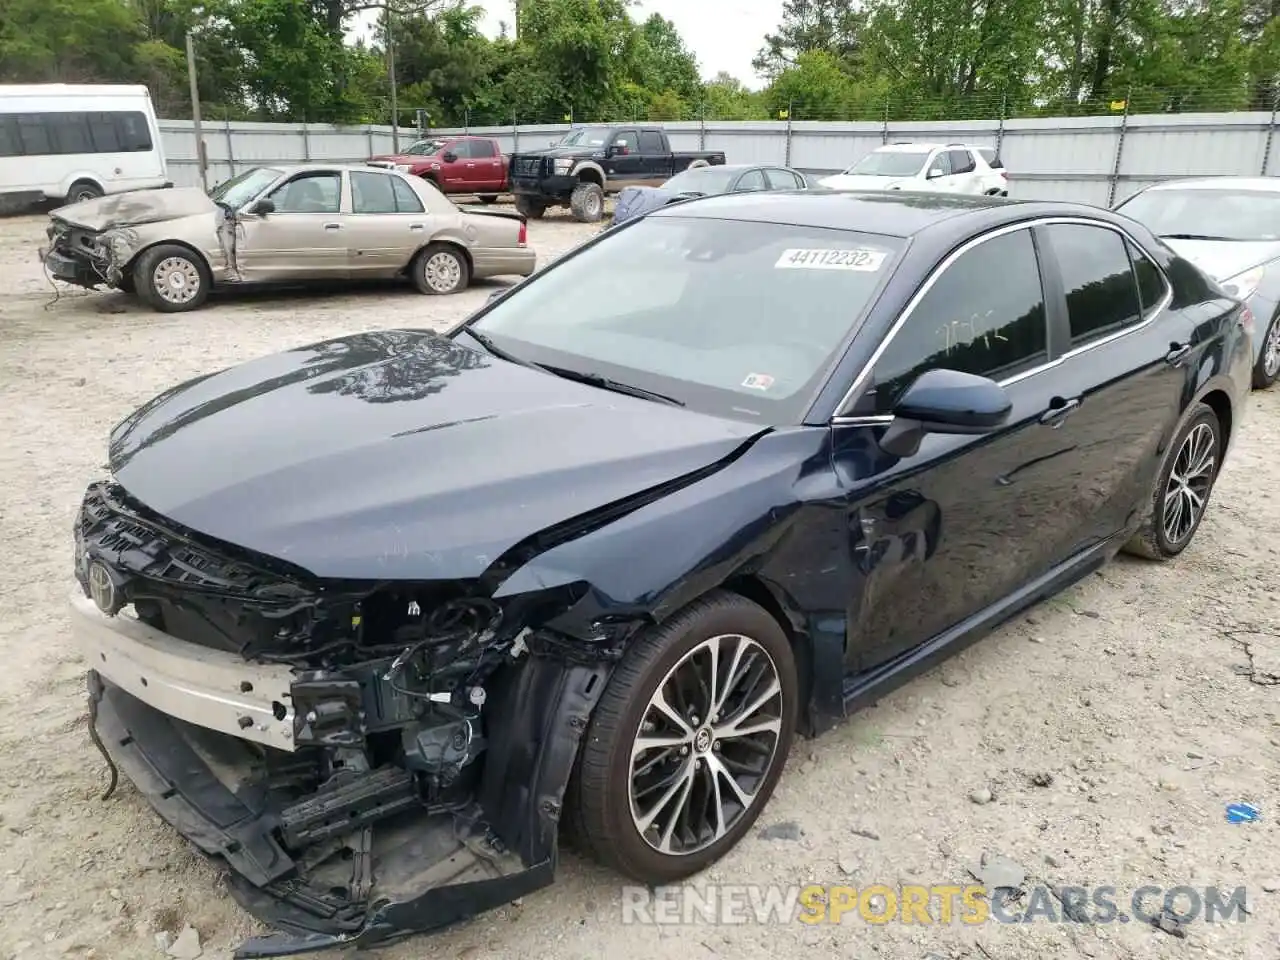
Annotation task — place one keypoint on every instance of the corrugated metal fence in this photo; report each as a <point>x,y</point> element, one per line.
<point>1090,159</point>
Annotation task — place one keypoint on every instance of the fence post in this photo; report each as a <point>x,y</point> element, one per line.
<point>368,138</point>
<point>515,132</point>
<point>884,128</point>
<point>1271,131</point>
<point>791,105</point>
<point>466,120</point>
<point>702,127</point>
<point>231,152</point>
<point>1115,169</point>
<point>306,142</point>
<point>1004,106</point>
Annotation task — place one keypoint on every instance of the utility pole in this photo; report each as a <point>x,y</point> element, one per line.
<point>391,71</point>
<point>201,156</point>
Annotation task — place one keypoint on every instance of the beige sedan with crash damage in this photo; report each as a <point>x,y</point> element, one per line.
<point>283,224</point>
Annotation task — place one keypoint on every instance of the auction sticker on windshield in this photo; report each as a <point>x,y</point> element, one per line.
<point>860,259</point>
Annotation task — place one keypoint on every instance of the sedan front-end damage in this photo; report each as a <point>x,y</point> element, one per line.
<point>369,760</point>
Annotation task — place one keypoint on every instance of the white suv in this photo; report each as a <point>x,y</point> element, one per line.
<point>946,167</point>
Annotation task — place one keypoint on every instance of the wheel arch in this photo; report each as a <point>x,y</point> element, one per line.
<point>1219,402</point>
<point>775,601</point>
<point>445,241</point>
<point>77,178</point>
<point>590,173</point>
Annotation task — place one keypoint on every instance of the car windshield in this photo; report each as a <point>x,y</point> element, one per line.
<point>1220,213</point>
<point>425,148</point>
<point>584,137</point>
<point>243,187</point>
<point>890,163</point>
<point>708,180</point>
<point>734,318</point>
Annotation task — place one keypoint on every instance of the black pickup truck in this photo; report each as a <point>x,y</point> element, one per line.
<point>589,162</point>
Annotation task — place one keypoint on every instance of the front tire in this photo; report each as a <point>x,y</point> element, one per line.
<point>83,190</point>
<point>440,270</point>
<point>1182,489</point>
<point>1267,370</point>
<point>587,203</point>
<point>688,741</point>
<point>171,279</point>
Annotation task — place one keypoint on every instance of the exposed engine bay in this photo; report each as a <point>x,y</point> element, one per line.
<point>422,747</point>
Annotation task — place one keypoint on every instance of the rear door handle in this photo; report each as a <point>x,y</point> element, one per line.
<point>1178,352</point>
<point>415,226</point>
<point>333,226</point>
<point>1059,411</point>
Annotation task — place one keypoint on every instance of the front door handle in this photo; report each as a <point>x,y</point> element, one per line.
<point>1178,352</point>
<point>1059,411</point>
<point>333,226</point>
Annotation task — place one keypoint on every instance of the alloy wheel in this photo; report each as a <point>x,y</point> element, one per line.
<point>1271,350</point>
<point>442,272</point>
<point>1187,491</point>
<point>705,745</point>
<point>176,280</point>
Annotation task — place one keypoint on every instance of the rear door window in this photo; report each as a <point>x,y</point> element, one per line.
<point>961,161</point>
<point>1098,279</point>
<point>651,142</point>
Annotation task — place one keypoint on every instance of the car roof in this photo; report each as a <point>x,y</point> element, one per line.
<point>731,167</point>
<point>1219,183</point>
<point>887,213</point>
<point>291,168</point>
<point>922,147</point>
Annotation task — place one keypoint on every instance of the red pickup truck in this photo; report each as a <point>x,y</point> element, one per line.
<point>473,165</point>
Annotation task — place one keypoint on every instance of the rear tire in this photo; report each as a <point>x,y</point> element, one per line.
<point>440,269</point>
<point>631,817</point>
<point>587,203</point>
<point>83,190</point>
<point>1267,370</point>
<point>531,208</point>
<point>1182,489</point>
<point>171,279</point>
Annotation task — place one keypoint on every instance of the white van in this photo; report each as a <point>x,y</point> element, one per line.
<point>71,141</point>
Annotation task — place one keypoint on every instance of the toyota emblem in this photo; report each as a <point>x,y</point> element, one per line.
<point>102,588</point>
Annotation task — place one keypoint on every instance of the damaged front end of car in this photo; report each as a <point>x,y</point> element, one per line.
<point>88,258</point>
<point>369,759</point>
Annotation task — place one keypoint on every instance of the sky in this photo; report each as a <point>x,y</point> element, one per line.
<point>723,34</point>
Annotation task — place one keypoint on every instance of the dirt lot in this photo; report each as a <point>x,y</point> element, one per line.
<point>1095,742</point>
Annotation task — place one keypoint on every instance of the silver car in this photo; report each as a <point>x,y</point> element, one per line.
<point>283,224</point>
<point>1230,228</point>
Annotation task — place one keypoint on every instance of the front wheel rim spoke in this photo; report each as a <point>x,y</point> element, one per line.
<point>693,766</point>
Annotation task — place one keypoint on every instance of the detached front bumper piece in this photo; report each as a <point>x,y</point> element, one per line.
<point>209,739</point>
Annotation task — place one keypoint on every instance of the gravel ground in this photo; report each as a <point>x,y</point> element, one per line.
<point>1095,742</point>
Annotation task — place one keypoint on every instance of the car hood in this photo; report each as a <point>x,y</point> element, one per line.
<point>848,181</point>
<point>1224,259</point>
<point>399,454</point>
<point>136,207</point>
<point>635,201</point>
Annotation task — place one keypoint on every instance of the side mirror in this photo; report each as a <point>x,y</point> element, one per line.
<point>449,157</point>
<point>263,207</point>
<point>945,401</point>
<point>934,174</point>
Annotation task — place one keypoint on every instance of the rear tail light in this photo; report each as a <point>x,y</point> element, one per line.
<point>524,234</point>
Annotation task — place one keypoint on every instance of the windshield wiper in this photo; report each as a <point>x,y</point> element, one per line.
<point>487,342</point>
<point>597,380</point>
<point>1195,236</point>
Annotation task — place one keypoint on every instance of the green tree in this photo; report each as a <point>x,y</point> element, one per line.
<point>725,97</point>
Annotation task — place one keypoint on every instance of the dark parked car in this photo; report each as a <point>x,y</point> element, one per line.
<point>720,475</point>
<point>589,162</point>
<point>706,182</point>
<point>1230,228</point>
